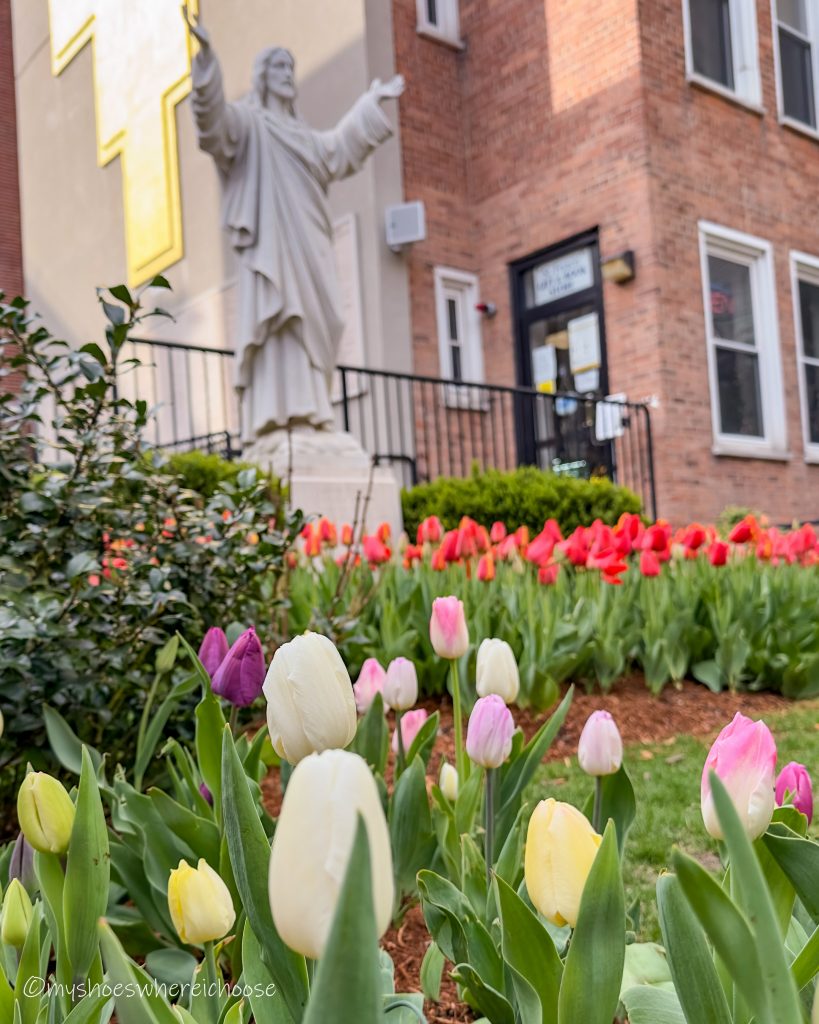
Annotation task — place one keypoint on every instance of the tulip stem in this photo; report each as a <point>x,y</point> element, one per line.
<point>211,973</point>
<point>489,810</point>
<point>461,762</point>
<point>598,803</point>
<point>234,719</point>
<point>402,754</point>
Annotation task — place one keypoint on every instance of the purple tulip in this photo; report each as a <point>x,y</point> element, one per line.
<point>240,677</point>
<point>206,793</point>
<point>489,733</point>
<point>21,865</point>
<point>794,781</point>
<point>213,650</point>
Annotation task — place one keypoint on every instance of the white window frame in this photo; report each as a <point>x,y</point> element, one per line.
<point>472,370</point>
<point>757,255</point>
<point>803,268</point>
<point>813,34</point>
<point>448,28</point>
<point>744,52</point>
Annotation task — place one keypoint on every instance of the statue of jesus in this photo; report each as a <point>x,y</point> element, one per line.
<point>275,172</point>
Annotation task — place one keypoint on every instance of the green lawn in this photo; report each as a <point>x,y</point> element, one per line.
<point>666,779</point>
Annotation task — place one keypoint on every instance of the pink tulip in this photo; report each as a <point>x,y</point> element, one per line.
<point>411,722</point>
<point>490,731</point>
<point>447,628</point>
<point>744,758</point>
<point>401,684</point>
<point>370,682</point>
<point>600,750</point>
<point>213,650</point>
<point>240,677</point>
<point>794,781</point>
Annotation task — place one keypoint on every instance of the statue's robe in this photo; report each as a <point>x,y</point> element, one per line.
<point>275,172</point>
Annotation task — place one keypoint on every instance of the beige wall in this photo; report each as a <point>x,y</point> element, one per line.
<point>73,233</point>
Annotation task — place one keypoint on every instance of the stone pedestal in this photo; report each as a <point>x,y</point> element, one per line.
<point>327,471</point>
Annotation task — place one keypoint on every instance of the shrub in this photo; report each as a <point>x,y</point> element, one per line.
<point>526,496</point>
<point>104,551</point>
<point>206,472</point>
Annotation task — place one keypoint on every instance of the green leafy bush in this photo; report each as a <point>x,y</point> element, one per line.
<point>527,496</point>
<point>206,472</point>
<point>105,551</point>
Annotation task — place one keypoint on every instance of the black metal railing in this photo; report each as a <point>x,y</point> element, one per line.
<point>425,427</point>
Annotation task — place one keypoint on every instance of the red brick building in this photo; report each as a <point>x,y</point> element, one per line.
<point>546,137</point>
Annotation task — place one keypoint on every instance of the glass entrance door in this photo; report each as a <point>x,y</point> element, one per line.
<point>561,353</point>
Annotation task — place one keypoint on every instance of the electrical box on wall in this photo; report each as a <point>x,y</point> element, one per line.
<point>405,223</point>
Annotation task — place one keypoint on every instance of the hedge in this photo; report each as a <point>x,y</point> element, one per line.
<point>527,496</point>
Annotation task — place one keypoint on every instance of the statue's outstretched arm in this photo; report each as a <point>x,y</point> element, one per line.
<point>364,127</point>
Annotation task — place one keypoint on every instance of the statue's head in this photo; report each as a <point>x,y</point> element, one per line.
<point>274,75</point>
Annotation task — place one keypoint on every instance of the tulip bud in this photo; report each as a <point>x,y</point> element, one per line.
<point>490,731</point>
<point>411,722</point>
<point>560,849</point>
<point>213,650</point>
<point>497,670</point>
<point>448,781</point>
<point>17,911</point>
<point>447,628</point>
<point>21,865</point>
<point>200,903</point>
<point>310,704</point>
<point>794,782</point>
<point>600,750</point>
<point>370,682</point>
<point>312,845</point>
<point>744,758</point>
<point>45,813</point>
<point>205,793</point>
<point>240,676</point>
<point>401,684</point>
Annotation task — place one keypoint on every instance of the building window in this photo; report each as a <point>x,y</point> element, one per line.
<point>796,27</point>
<point>459,328</point>
<point>743,344</point>
<point>721,47</point>
<point>805,274</point>
<point>440,20</point>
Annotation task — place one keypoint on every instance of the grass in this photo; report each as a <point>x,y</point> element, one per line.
<point>666,778</point>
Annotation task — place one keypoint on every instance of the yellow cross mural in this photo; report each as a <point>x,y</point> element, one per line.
<point>141,68</point>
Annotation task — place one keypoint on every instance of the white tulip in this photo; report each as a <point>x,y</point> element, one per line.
<point>312,845</point>
<point>401,684</point>
<point>310,702</point>
<point>497,670</point>
<point>448,781</point>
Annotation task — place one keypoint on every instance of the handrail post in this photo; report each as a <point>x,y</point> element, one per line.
<point>344,398</point>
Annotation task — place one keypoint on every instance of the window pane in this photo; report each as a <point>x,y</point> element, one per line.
<point>457,372</point>
<point>711,40</point>
<point>793,13</point>
<point>432,12</point>
<point>740,403</point>
<point>452,315</point>
<point>797,78</point>
<point>732,311</point>
<point>812,399</point>
<point>809,309</point>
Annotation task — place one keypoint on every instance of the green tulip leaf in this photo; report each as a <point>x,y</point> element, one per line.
<point>689,957</point>
<point>799,859</point>
<point>65,743</point>
<point>806,964</point>
<point>89,1011</point>
<point>210,724</point>
<point>250,858</point>
<point>27,1004</point>
<point>754,898</point>
<point>348,980</point>
<point>411,835</point>
<point>372,738</point>
<point>148,744</point>
<point>617,801</point>
<point>432,968</point>
<point>87,873</point>
<point>488,999</point>
<point>528,949</point>
<point>647,1005</point>
<point>467,802</point>
<point>424,740</point>
<point>198,667</point>
<point>590,990</point>
<point>170,966</point>
<point>201,835</point>
<point>136,997</point>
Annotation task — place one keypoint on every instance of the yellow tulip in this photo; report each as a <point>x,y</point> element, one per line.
<point>17,911</point>
<point>560,849</point>
<point>200,903</point>
<point>45,812</point>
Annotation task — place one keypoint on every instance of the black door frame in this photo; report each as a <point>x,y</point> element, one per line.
<point>523,318</point>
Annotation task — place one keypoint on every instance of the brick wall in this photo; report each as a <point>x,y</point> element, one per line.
<point>563,115</point>
<point>11,256</point>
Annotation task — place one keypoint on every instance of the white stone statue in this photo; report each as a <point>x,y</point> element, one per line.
<point>275,171</point>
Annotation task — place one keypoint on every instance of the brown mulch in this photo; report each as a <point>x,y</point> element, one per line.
<point>689,709</point>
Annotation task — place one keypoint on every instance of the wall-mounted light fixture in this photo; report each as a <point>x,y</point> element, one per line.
<point>619,269</point>
<point>488,309</point>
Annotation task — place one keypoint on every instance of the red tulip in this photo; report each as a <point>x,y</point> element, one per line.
<point>486,568</point>
<point>718,553</point>
<point>649,563</point>
<point>498,532</point>
<point>375,551</point>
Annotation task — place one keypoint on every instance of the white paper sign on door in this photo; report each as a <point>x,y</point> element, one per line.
<point>584,343</point>
<point>544,368</point>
